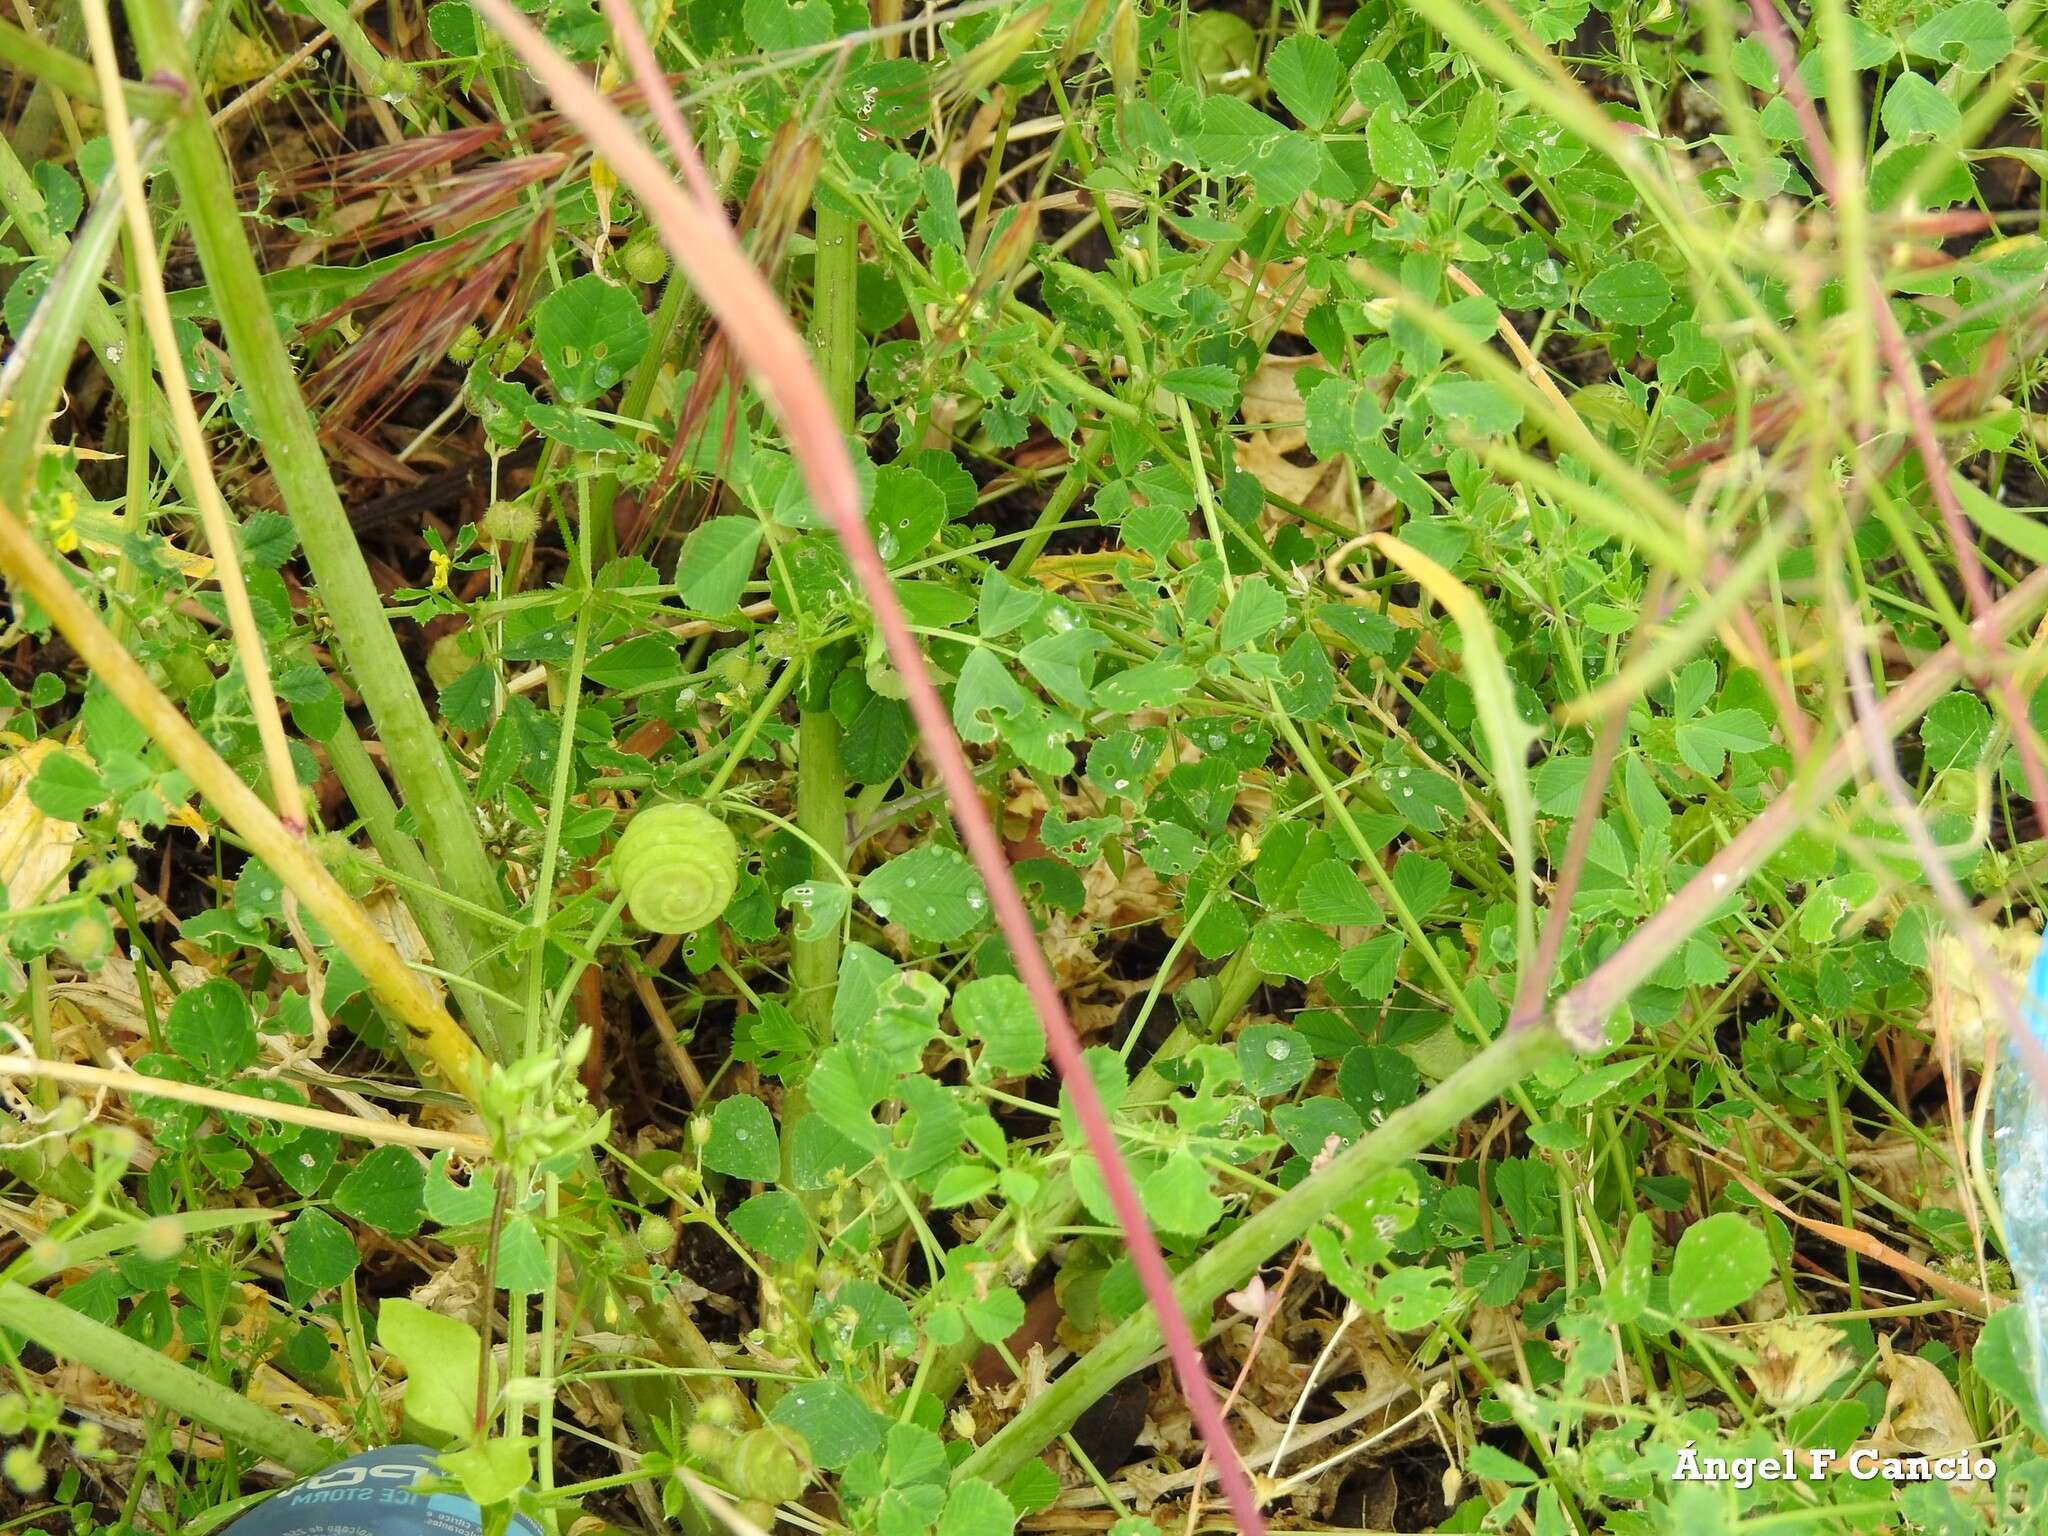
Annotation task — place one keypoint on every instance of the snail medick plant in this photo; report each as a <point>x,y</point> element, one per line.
<point>677,865</point>
<point>1487,760</point>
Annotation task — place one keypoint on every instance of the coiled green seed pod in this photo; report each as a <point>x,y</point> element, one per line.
<point>677,866</point>
<point>765,1468</point>
<point>1226,52</point>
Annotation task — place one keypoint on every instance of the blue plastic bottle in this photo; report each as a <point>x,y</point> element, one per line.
<point>374,1494</point>
<point>2021,1137</point>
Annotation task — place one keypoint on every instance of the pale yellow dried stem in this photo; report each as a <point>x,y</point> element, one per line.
<point>213,510</point>
<point>392,982</point>
<point>261,90</point>
<point>395,1133</point>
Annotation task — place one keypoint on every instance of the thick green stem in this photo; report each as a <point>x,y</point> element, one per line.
<point>55,69</point>
<point>1231,1262</point>
<point>426,777</point>
<point>74,305</point>
<point>820,776</point>
<point>71,1335</point>
<point>821,813</point>
<point>837,275</point>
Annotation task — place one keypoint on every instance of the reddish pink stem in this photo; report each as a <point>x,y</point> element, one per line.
<point>708,252</point>
<point>1905,372</point>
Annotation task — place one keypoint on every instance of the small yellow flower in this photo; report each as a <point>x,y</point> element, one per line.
<point>441,565</point>
<point>63,533</point>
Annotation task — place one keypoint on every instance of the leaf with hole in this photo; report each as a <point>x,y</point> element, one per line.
<point>590,334</point>
<point>441,1356</point>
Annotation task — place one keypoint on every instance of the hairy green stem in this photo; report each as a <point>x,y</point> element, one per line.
<point>1233,1260</point>
<point>674,314</point>
<point>49,341</point>
<point>71,305</point>
<point>426,777</point>
<point>820,776</point>
<point>71,1335</point>
<point>1064,495</point>
<point>63,29</point>
<point>371,797</point>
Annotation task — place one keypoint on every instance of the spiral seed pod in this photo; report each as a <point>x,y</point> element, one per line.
<point>677,866</point>
<point>765,1468</point>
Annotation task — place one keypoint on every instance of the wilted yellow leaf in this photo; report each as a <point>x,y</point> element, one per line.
<point>35,850</point>
<point>1922,1414</point>
<point>1961,999</point>
<point>237,58</point>
<point>1796,1361</point>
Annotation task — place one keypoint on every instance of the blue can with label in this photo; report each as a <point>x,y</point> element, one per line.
<point>374,1494</point>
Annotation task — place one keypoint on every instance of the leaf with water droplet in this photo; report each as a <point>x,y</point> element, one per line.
<point>742,1141</point>
<point>932,891</point>
<point>1273,1058</point>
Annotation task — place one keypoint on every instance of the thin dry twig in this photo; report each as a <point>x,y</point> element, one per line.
<point>170,367</point>
<point>1535,982</point>
<point>429,1027</point>
<point>671,1043</point>
<point>1848,1237</point>
<point>1269,1304</point>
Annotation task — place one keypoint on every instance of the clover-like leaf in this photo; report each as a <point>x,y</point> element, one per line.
<point>590,334</point>
<point>933,892</point>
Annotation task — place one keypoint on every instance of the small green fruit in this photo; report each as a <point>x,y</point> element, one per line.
<point>448,660</point>
<point>510,522</point>
<point>707,1442</point>
<point>643,256</point>
<point>678,866</point>
<point>24,1469</point>
<point>765,1468</point>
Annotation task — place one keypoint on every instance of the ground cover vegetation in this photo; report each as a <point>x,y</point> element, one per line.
<point>1485,558</point>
